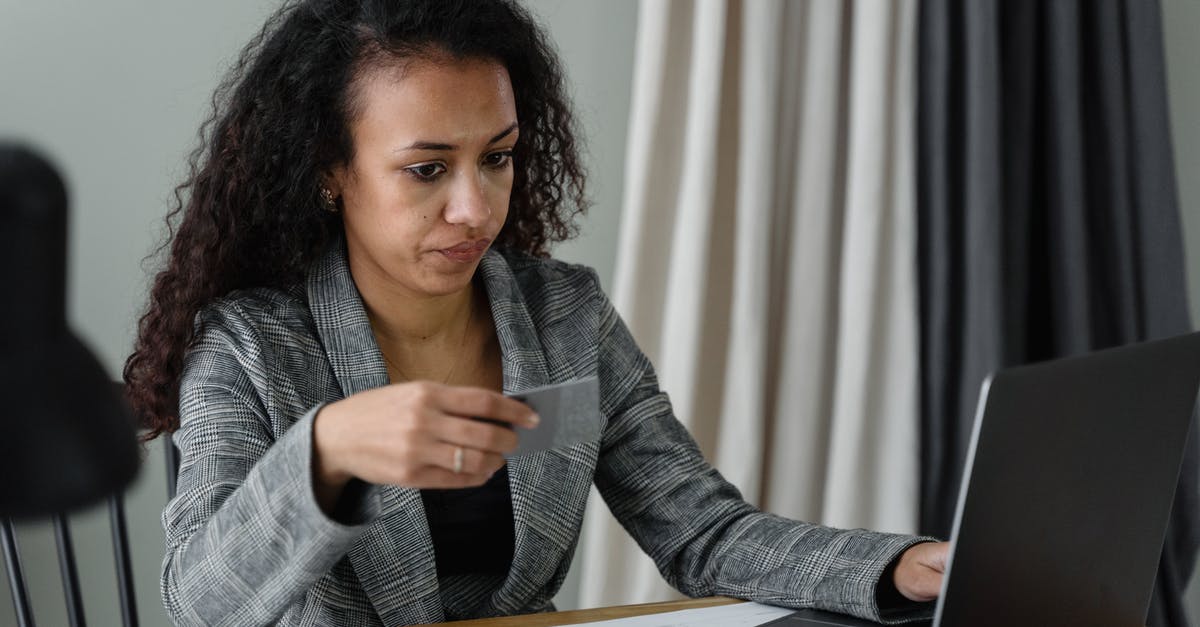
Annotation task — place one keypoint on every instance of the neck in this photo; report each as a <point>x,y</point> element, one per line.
<point>421,336</point>
<point>402,322</point>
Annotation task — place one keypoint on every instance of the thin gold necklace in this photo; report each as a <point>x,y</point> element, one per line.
<point>462,343</point>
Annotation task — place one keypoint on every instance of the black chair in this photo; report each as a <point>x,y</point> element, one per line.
<point>66,557</point>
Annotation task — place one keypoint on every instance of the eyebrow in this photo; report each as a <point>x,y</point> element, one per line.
<point>427,145</point>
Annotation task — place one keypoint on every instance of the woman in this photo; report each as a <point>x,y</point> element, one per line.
<point>359,272</point>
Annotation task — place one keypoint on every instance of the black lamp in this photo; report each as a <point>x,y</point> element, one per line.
<point>66,438</point>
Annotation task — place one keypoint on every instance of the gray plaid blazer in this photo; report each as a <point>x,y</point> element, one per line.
<point>247,544</point>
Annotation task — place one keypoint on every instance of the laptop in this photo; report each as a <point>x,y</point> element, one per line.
<point>1067,490</point>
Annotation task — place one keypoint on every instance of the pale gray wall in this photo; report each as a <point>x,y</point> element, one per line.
<point>114,91</point>
<point>1181,23</point>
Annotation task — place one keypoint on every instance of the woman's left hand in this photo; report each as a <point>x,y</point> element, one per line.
<point>918,574</point>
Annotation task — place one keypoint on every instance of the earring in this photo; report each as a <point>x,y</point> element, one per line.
<point>327,198</point>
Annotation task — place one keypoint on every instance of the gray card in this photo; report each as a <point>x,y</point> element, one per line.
<point>569,412</point>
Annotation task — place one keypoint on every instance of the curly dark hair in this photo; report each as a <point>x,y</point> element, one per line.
<point>249,213</point>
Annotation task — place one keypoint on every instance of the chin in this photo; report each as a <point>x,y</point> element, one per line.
<point>442,283</point>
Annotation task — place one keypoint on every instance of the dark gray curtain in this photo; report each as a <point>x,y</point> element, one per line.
<point>1048,219</point>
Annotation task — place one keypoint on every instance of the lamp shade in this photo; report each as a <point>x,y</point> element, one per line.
<point>66,438</point>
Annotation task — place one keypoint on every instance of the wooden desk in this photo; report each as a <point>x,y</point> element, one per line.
<point>586,616</point>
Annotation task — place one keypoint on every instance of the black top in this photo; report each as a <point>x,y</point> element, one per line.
<point>472,528</point>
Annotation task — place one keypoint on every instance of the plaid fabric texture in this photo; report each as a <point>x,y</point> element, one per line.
<point>247,543</point>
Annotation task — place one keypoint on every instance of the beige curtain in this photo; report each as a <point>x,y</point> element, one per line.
<point>767,259</point>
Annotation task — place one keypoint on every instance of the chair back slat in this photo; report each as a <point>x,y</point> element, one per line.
<point>16,576</point>
<point>70,575</point>
<point>66,555</point>
<point>116,511</point>
<point>172,454</point>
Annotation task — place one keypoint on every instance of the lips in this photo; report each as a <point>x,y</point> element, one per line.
<point>466,251</point>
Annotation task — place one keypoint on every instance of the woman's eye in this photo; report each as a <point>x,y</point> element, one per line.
<point>498,159</point>
<point>426,171</point>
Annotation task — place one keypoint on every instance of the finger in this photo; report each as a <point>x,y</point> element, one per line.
<point>474,461</point>
<point>915,577</point>
<point>936,556</point>
<point>432,477</point>
<point>920,586</point>
<point>475,434</point>
<point>929,585</point>
<point>480,403</point>
<point>423,475</point>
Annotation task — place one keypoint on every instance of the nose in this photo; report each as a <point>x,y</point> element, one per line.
<point>468,203</point>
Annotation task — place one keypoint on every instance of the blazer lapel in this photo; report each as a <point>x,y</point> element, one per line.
<point>394,559</point>
<point>534,493</point>
<point>521,353</point>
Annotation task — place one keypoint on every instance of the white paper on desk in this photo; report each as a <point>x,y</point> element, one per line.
<point>736,615</point>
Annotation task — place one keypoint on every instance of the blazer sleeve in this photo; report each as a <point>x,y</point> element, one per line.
<point>245,537</point>
<point>703,537</point>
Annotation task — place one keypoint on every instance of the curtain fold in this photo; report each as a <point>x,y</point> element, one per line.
<point>766,261</point>
<point>1048,220</point>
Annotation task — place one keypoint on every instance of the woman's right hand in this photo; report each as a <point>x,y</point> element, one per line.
<point>408,435</point>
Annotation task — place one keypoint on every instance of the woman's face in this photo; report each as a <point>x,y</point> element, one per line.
<point>427,189</point>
